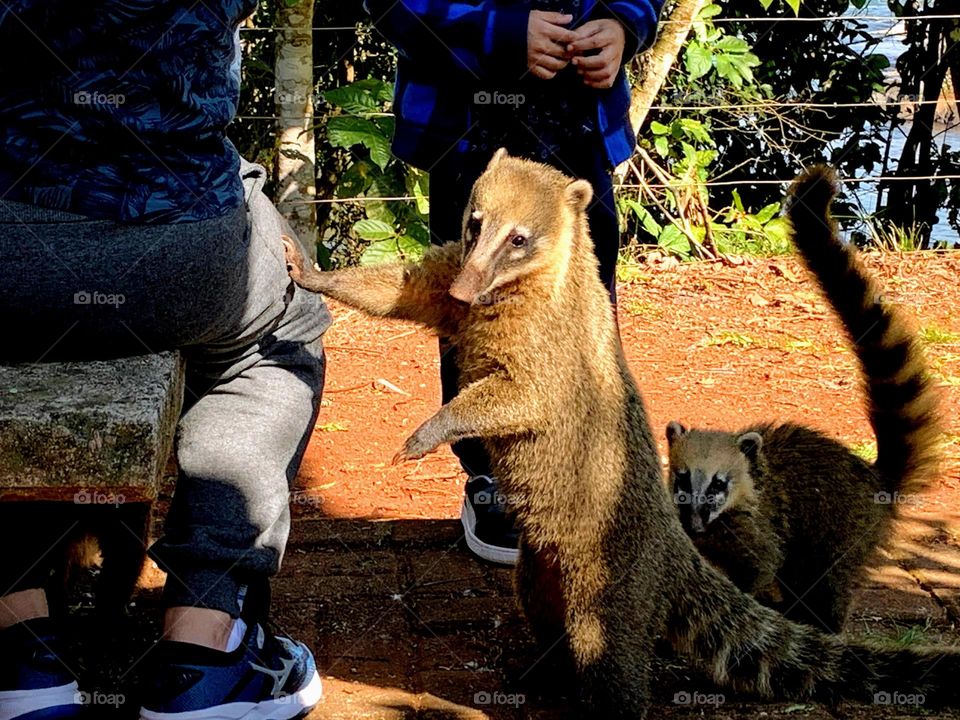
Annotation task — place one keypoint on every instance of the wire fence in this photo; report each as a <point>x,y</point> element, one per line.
<point>880,100</point>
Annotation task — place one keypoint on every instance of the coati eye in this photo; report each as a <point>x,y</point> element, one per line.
<point>473,226</point>
<point>518,241</point>
<point>718,483</point>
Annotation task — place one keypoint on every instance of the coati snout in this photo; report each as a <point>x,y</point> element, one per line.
<point>709,473</point>
<point>511,227</point>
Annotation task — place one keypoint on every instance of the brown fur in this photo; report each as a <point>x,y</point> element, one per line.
<point>544,383</point>
<point>792,515</point>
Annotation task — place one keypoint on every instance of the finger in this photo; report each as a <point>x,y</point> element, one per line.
<point>591,63</point>
<point>542,73</point>
<point>554,18</point>
<point>558,34</point>
<point>591,42</point>
<point>551,63</point>
<point>602,79</point>
<point>548,48</point>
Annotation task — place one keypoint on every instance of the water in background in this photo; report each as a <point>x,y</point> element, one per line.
<point>892,32</point>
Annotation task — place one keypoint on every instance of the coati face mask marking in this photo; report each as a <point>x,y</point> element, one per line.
<point>519,221</point>
<point>700,497</point>
<point>709,473</point>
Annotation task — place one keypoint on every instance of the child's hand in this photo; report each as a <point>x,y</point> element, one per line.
<point>600,70</point>
<point>547,40</point>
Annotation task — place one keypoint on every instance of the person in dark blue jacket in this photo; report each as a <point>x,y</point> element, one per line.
<point>546,80</point>
<point>129,224</point>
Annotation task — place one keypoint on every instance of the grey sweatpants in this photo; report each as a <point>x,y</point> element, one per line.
<point>76,288</point>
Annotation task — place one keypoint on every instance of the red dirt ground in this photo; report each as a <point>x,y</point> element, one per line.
<point>709,344</point>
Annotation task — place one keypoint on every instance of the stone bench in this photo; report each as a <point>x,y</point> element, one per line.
<point>98,435</point>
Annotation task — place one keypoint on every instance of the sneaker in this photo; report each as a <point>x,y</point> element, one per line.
<point>34,682</point>
<point>490,531</point>
<point>266,678</point>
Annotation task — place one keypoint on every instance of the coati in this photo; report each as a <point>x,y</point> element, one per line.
<point>605,566</point>
<point>790,514</point>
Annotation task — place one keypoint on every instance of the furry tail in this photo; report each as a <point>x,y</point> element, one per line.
<point>902,403</point>
<point>754,649</point>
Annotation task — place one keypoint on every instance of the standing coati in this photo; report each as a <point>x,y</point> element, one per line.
<point>790,514</point>
<point>605,567</point>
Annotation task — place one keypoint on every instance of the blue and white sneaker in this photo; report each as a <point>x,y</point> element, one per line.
<point>266,678</point>
<point>490,531</point>
<point>34,682</point>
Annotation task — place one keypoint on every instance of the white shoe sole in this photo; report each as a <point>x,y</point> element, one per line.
<point>17,703</point>
<point>499,555</point>
<point>282,708</point>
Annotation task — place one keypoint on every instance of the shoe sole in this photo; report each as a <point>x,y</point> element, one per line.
<point>486,551</point>
<point>53,703</point>
<point>291,706</point>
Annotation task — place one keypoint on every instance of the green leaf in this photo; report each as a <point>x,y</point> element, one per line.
<point>659,128</point>
<point>404,247</point>
<point>661,145</point>
<point>778,230</point>
<point>673,241</point>
<point>795,6</point>
<point>765,215</point>
<point>728,71</point>
<point>418,186</point>
<point>733,44</point>
<point>346,131</point>
<point>370,229</point>
<point>356,179</point>
<point>709,11</point>
<point>698,60</point>
<point>737,201</point>
<point>363,96</point>
<point>379,210</point>
<point>410,248</point>
<point>646,219</point>
<point>765,4</point>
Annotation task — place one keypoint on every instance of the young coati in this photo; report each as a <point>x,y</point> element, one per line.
<point>789,514</point>
<point>605,567</point>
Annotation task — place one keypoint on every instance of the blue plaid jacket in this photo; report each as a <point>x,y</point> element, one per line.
<point>118,109</point>
<point>450,50</point>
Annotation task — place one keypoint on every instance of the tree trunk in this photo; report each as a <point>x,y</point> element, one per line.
<point>656,63</point>
<point>295,168</point>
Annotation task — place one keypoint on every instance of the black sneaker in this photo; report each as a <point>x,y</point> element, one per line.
<point>34,682</point>
<point>489,528</point>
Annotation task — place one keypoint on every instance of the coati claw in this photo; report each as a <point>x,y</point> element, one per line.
<point>293,257</point>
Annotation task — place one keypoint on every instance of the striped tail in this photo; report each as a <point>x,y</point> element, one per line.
<point>901,401</point>
<point>753,649</point>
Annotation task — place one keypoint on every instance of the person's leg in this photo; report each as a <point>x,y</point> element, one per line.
<point>589,162</point>
<point>255,367</point>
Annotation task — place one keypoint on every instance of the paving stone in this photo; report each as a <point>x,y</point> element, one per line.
<point>428,533</point>
<point>335,533</point>
<point>452,573</point>
<point>470,613</point>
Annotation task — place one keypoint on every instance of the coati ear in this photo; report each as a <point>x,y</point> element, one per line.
<point>578,193</point>
<point>750,444</point>
<point>497,157</point>
<point>674,431</point>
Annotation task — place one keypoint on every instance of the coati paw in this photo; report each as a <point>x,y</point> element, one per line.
<point>415,447</point>
<point>293,257</point>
